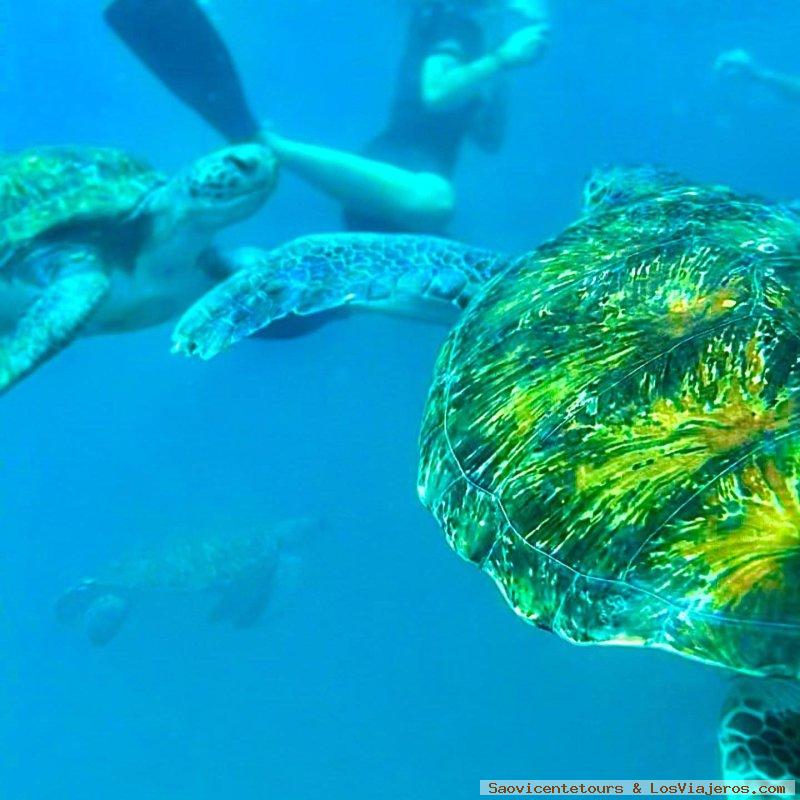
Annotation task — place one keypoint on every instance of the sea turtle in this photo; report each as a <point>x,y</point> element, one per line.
<point>237,571</point>
<point>93,240</point>
<point>613,430</point>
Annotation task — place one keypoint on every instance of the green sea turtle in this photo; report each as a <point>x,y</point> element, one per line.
<point>613,430</point>
<point>237,572</point>
<point>95,241</point>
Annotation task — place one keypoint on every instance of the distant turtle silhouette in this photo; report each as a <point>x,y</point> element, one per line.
<point>237,573</point>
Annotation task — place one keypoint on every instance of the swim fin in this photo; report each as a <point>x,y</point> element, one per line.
<point>178,43</point>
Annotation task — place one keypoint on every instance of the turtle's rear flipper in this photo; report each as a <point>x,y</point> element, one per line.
<point>321,273</point>
<point>759,735</point>
<point>75,601</point>
<point>101,611</point>
<point>53,320</point>
<point>176,40</point>
<point>104,618</point>
<point>243,602</point>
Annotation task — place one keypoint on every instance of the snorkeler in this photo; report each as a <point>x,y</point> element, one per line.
<point>739,63</point>
<point>447,92</point>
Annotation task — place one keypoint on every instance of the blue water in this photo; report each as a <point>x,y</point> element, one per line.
<point>393,670</point>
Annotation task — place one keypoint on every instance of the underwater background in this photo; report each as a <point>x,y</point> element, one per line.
<point>391,668</point>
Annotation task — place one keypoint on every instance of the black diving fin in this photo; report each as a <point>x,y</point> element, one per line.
<point>178,43</point>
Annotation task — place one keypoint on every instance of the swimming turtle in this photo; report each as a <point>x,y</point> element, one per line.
<point>613,430</point>
<point>93,240</point>
<point>237,571</point>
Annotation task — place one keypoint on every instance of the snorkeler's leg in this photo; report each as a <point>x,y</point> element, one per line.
<point>416,201</point>
<point>396,274</point>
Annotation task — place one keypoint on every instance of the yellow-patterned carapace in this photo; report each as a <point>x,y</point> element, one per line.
<point>624,401</point>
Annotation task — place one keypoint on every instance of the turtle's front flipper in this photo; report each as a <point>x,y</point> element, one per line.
<point>324,272</point>
<point>759,735</point>
<point>244,601</point>
<point>50,323</point>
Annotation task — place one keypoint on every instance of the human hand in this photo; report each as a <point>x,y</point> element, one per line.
<point>735,63</point>
<point>524,46</point>
<point>532,10</point>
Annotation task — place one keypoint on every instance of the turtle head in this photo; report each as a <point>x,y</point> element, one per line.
<point>224,187</point>
<point>610,187</point>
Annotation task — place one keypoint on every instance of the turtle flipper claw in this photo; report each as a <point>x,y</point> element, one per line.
<point>242,305</point>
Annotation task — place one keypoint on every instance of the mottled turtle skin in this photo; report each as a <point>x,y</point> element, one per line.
<point>613,430</point>
<point>760,730</point>
<point>238,571</point>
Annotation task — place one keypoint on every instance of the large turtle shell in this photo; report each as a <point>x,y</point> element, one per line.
<point>613,430</point>
<point>48,188</point>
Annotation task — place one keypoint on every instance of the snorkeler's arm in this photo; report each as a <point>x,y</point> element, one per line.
<point>739,63</point>
<point>448,83</point>
<point>788,85</point>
